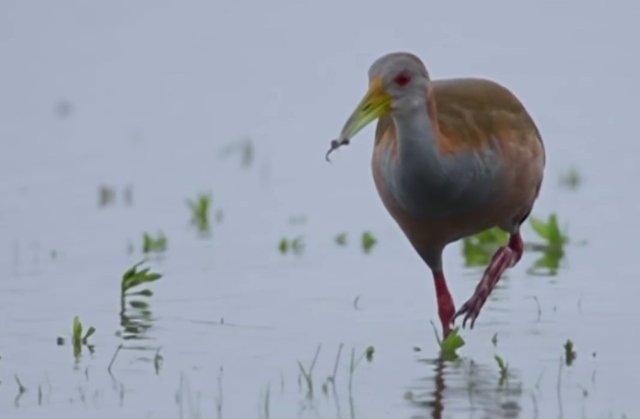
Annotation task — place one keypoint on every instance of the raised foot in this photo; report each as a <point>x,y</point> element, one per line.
<point>504,258</point>
<point>471,309</point>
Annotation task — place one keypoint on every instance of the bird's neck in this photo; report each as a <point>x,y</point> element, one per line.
<point>418,143</point>
<point>422,173</point>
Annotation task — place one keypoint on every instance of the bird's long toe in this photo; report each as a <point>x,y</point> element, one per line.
<point>471,309</point>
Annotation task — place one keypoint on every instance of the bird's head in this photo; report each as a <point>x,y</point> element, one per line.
<point>398,83</point>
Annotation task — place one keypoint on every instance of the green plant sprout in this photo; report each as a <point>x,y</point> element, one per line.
<point>135,316</point>
<point>283,245</point>
<point>308,373</point>
<point>368,240</point>
<point>571,179</point>
<point>134,277</point>
<point>504,369</point>
<point>479,248</point>
<point>570,354</point>
<point>450,345</point>
<point>341,239</point>
<point>78,339</point>
<point>296,245</point>
<point>550,231</point>
<point>106,195</point>
<point>369,353</point>
<point>553,247</point>
<point>353,364</point>
<point>200,208</point>
<point>157,244</point>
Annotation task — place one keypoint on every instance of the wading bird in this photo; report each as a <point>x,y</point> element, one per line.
<point>451,158</point>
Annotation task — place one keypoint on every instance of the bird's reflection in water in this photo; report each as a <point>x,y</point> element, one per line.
<point>464,388</point>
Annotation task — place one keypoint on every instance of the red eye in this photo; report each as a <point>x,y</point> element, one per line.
<point>402,79</point>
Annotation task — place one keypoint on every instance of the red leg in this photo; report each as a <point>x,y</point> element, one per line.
<point>504,258</point>
<point>446,308</point>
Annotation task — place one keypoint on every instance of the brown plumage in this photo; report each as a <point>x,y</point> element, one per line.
<point>451,158</point>
<point>468,114</point>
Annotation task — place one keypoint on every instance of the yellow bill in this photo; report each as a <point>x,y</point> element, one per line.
<point>376,103</point>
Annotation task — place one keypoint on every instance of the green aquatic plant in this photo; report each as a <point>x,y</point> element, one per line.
<point>368,240</point>
<point>353,365</point>
<point>504,369</point>
<point>553,247</point>
<point>570,354</point>
<point>134,277</point>
<point>200,209</point>
<point>549,262</point>
<point>135,315</point>
<point>78,339</point>
<point>572,179</point>
<point>106,195</point>
<point>157,244</point>
<point>369,353</point>
<point>295,245</point>
<point>449,346</point>
<point>283,245</point>
<point>549,230</point>
<point>479,248</point>
<point>341,239</point>
<point>307,373</point>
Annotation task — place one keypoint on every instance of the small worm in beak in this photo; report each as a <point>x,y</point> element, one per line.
<point>335,144</point>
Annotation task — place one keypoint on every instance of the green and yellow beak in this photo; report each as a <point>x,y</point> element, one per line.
<point>376,103</point>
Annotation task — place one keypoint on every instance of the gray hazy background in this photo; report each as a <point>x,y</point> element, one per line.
<point>148,93</point>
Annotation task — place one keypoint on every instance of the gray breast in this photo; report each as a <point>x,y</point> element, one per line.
<point>428,185</point>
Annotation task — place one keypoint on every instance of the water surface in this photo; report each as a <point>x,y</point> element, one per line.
<point>143,98</point>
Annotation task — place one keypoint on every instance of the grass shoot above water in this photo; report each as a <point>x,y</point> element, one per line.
<point>552,248</point>
<point>341,239</point>
<point>295,245</point>
<point>480,248</point>
<point>570,354</point>
<point>200,212</point>
<point>504,369</point>
<point>550,231</point>
<point>134,277</point>
<point>78,339</point>
<point>572,179</point>
<point>135,315</point>
<point>449,345</point>
<point>157,244</point>
<point>368,241</point>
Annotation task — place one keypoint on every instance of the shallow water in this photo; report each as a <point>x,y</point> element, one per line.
<point>144,98</point>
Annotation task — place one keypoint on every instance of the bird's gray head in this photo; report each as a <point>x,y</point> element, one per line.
<point>398,83</point>
<point>403,77</point>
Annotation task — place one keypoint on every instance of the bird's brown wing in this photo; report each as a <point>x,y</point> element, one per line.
<point>472,113</point>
